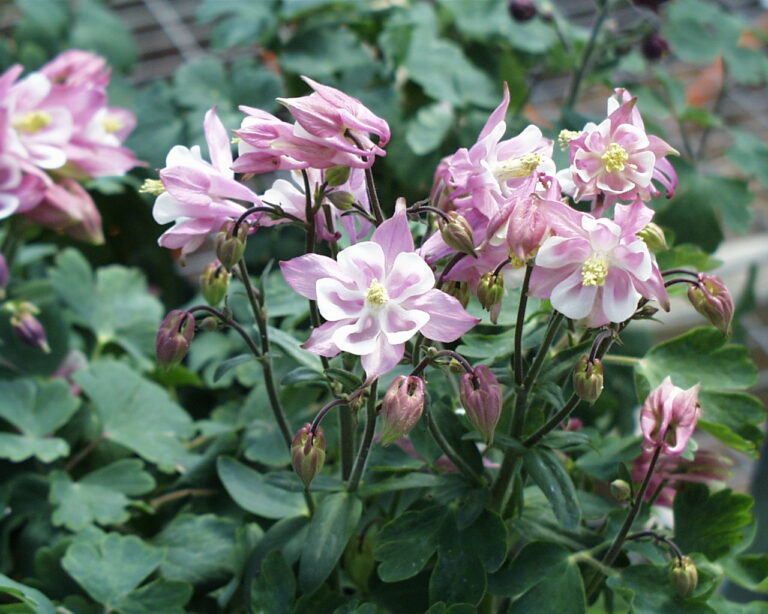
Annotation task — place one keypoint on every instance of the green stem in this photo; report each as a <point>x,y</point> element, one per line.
<point>613,552</point>
<point>553,422</point>
<point>365,446</point>
<point>232,324</point>
<point>541,356</point>
<point>266,357</point>
<point>518,355</point>
<point>628,361</point>
<point>573,92</point>
<point>346,440</point>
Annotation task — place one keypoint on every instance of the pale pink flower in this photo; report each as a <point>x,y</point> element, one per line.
<point>200,196</point>
<point>669,417</point>
<point>376,296</point>
<point>596,268</point>
<point>77,68</point>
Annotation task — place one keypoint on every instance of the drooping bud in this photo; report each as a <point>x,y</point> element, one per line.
<point>480,394</point>
<point>490,290</point>
<point>621,490</point>
<point>684,576</point>
<point>209,324</point>
<point>337,175</point>
<point>669,417</point>
<point>230,247</point>
<point>342,200</point>
<point>174,337</point>
<point>459,290</point>
<point>654,46</point>
<point>402,407</point>
<point>308,453</point>
<point>588,379</point>
<point>522,10</point>
<point>457,233</point>
<point>3,276</point>
<point>214,282</point>
<point>654,237</point>
<point>712,299</point>
<point>27,327</point>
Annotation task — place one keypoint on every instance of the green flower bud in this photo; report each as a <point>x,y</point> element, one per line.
<point>457,233</point>
<point>620,490</point>
<point>654,237</point>
<point>337,175</point>
<point>459,290</point>
<point>308,453</point>
<point>230,247</point>
<point>342,200</point>
<point>684,576</point>
<point>490,290</point>
<point>209,324</point>
<point>588,379</point>
<point>214,282</point>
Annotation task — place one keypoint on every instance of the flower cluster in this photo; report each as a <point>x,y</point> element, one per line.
<point>56,129</point>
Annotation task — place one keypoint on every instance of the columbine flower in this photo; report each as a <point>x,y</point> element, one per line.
<point>375,296</point>
<point>402,407</point>
<point>712,299</point>
<point>199,196</point>
<point>67,207</point>
<point>597,268</point>
<point>669,416</point>
<point>481,397</point>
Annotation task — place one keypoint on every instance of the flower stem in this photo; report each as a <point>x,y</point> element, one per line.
<point>365,445</point>
<point>628,361</point>
<point>553,422</point>
<point>618,542</point>
<point>518,355</point>
<point>232,324</point>
<point>573,92</point>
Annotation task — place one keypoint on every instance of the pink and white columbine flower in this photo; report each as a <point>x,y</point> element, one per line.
<point>596,268</point>
<point>376,296</point>
<point>199,196</point>
<point>669,417</point>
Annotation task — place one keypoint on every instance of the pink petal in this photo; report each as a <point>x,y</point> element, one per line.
<point>382,359</point>
<point>632,218</point>
<point>336,301</point>
<point>573,299</point>
<point>447,318</point>
<point>302,273</point>
<point>394,235</point>
<point>557,252</point>
<point>358,337</point>
<point>399,324</point>
<point>498,115</point>
<point>410,276</point>
<point>619,296</point>
<point>321,340</point>
<point>219,148</point>
<point>362,263</point>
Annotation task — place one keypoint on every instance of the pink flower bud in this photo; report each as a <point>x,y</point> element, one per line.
<point>588,379</point>
<point>480,395</point>
<point>711,298</point>
<point>230,247</point>
<point>174,337</point>
<point>669,416</point>
<point>522,10</point>
<point>308,453</point>
<point>402,407</point>
<point>27,327</point>
<point>214,282</point>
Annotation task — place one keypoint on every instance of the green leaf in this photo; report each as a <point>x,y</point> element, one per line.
<point>100,496</point>
<point>256,86</point>
<point>749,571</point>
<point>202,84</point>
<point>30,597</point>
<point>166,596</point>
<point>36,411</point>
<point>323,51</point>
<point>253,493</point>
<point>458,575</point>
<point>332,524</point>
<point>98,29</point>
<point>542,578</point>
<point>161,124</point>
<point>398,483</point>
<point>238,23</point>
<point>116,306</point>
<point>487,538</point>
<point>711,524</point>
<point>749,154</point>
<point>429,127</point>
<point>110,567</point>
<point>549,474</point>
<point>698,31</point>
<point>198,548</point>
<point>292,346</point>
<point>274,588</point>
<point>137,413</point>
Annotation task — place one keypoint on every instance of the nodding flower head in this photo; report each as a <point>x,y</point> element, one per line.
<point>669,417</point>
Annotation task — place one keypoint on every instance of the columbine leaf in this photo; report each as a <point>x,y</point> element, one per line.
<point>30,597</point>
<point>275,587</point>
<point>549,474</point>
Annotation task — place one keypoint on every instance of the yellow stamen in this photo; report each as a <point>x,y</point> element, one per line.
<point>152,186</point>
<point>594,271</point>
<point>111,124</point>
<point>32,122</point>
<point>376,295</point>
<point>614,158</point>
<point>516,261</point>
<point>235,140</point>
<point>565,137</point>
<point>517,168</point>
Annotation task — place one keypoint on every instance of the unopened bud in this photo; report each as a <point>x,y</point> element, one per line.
<point>4,275</point>
<point>490,290</point>
<point>480,394</point>
<point>654,46</point>
<point>621,490</point>
<point>214,282</point>
<point>459,290</point>
<point>308,453</point>
<point>522,10</point>
<point>402,407</point>
<point>645,313</point>
<point>174,337</point>
<point>337,175</point>
<point>457,233</point>
<point>711,298</point>
<point>229,246</point>
<point>209,324</point>
<point>454,366</point>
<point>654,237</point>
<point>588,379</point>
<point>684,576</point>
<point>342,200</point>
<point>27,327</point>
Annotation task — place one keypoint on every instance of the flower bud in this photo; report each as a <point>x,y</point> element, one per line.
<point>209,324</point>
<point>174,337</point>
<point>342,200</point>
<point>337,175</point>
<point>621,490</point>
<point>402,407</point>
<point>654,47</point>
<point>457,233</point>
<point>459,290</point>
<point>308,453</point>
<point>230,247</point>
<point>684,576</point>
<point>654,237</point>
<point>27,327</point>
<point>3,276</point>
<point>490,290</point>
<point>588,379</point>
<point>711,298</point>
<point>669,417</point>
<point>214,282</point>
<point>480,394</point>
<point>522,10</point>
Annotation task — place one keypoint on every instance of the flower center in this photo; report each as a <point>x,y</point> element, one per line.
<point>152,186</point>
<point>376,294</point>
<point>111,124</point>
<point>565,137</point>
<point>516,261</point>
<point>614,158</point>
<point>32,122</point>
<point>518,167</point>
<point>594,271</point>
